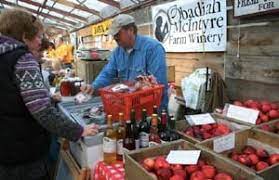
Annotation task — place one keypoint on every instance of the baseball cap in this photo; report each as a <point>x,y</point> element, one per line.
<point>120,21</point>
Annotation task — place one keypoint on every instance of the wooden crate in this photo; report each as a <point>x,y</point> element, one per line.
<point>271,124</point>
<point>255,138</point>
<point>183,124</point>
<point>134,171</point>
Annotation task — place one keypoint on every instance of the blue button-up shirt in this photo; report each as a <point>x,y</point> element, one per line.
<point>146,57</point>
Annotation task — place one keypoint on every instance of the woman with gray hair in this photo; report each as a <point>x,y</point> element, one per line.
<point>27,116</point>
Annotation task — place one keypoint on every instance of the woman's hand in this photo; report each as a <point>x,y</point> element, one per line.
<point>90,130</point>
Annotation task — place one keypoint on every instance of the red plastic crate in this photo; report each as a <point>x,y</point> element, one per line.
<point>115,102</point>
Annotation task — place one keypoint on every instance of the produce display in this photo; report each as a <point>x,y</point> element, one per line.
<point>256,158</point>
<point>207,131</point>
<point>268,110</point>
<point>160,168</point>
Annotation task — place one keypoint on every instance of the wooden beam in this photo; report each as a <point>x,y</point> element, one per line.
<point>79,7</point>
<point>111,3</point>
<point>65,13</point>
<point>35,12</point>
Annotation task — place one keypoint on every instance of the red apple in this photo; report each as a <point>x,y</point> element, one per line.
<point>176,177</point>
<point>264,118</point>
<point>191,168</point>
<point>222,129</point>
<point>266,127</point>
<point>180,172</point>
<point>208,171</point>
<point>223,176</point>
<point>261,165</point>
<point>243,159</point>
<point>249,150</point>
<point>207,127</point>
<point>273,159</point>
<point>148,164</point>
<point>254,159</point>
<point>161,163</point>
<point>198,175</point>
<point>261,153</point>
<point>273,114</point>
<point>266,108</point>
<point>258,121</point>
<point>176,166</point>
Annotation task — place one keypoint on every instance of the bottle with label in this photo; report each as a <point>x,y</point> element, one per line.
<point>154,136</point>
<point>173,135</point>
<point>135,128</point>
<point>109,142</point>
<point>120,137</point>
<point>144,130</point>
<point>129,141</point>
<point>164,133</point>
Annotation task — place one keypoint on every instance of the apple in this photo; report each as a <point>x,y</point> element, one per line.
<point>223,176</point>
<point>197,175</point>
<point>243,159</point>
<point>261,165</point>
<point>237,103</point>
<point>266,127</point>
<point>249,150</point>
<point>180,172</point>
<point>177,177</point>
<point>266,108</point>
<point>148,164</point>
<point>176,166</point>
<point>208,171</point>
<point>191,168</point>
<point>273,159</point>
<point>254,159</point>
<point>261,153</point>
<point>273,114</point>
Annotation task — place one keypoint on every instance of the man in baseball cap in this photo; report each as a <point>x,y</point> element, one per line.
<point>135,55</point>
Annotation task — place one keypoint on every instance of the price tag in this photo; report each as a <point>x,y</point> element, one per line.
<point>224,143</point>
<point>243,114</point>
<point>200,119</point>
<point>183,156</point>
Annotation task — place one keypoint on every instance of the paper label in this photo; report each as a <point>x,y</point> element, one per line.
<point>144,139</point>
<point>119,147</point>
<point>183,156</point>
<point>109,145</point>
<point>200,119</point>
<point>243,114</point>
<point>224,143</point>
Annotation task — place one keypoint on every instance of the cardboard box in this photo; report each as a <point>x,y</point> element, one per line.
<point>134,171</point>
<point>256,139</point>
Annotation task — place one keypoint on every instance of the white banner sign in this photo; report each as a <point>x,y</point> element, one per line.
<point>245,7</point>
<point>191,26</point>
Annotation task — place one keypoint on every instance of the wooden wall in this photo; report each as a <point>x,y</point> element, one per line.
<point>250,66</point>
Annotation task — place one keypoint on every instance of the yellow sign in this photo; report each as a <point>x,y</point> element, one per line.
<point>101,28</point>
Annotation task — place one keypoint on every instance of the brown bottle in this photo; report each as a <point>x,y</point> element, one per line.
<point>154,136</point>
<point>129,141</point>
<point>120,137</point>
<point>109,142</point>
<point>135,128</point>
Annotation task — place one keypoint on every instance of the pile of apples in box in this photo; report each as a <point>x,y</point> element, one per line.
<point>268,110</point>
<point>207,131</point>
<point>256,158</point>
<point>160,168</point>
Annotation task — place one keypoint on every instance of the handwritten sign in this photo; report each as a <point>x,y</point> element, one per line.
<point>183,156</point>
<point>246,7</point>
<point>224,143</point>
<point>191,26</point>
<point>243,114</point>
<point>200,119</point>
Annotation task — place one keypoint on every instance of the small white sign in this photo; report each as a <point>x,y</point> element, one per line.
<point>224,143</point>
<point>247,7</point>
<point>200,119</point>
<point>183,156</point>
<point>243,114</point>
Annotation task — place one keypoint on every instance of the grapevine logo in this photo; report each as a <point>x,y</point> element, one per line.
<point>162,26</point>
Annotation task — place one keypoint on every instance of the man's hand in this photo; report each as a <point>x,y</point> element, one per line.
<point>87,89</point>
<point>90,130</point>
<point>56,97</point>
